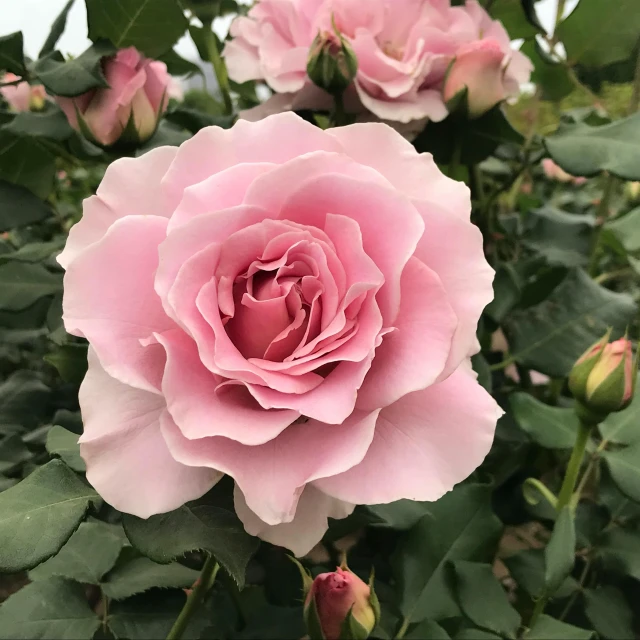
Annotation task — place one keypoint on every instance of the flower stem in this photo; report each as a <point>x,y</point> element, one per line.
<point>601,216</point>
<point>339,113</point>
<point>195,598</point>
<point>573,468</point>
<point>403,629</point>
<point>219,68</point>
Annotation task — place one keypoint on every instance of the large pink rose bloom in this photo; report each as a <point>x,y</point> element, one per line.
<point>287,306</point>
<point>138,90</point>
<point>404,48</point>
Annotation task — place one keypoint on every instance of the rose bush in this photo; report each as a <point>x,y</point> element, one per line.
<point>136,97</point>
<point>291,307</point>
<point>404,49</point>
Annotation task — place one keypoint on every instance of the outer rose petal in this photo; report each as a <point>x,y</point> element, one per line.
<point>307,527</point>
<point>109,299</point>
<point>453,248</point>
<point>201,409</point>
<point>413,356</point>
<point>127,459</point>
<point>130,187</point>
<point>424,444</point>
<point>273,475</point>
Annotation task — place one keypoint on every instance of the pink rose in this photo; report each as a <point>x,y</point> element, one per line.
<point>22,96</point>
<point>137,90</point>
<point>403,49</point>
<point>554,172</point>
<point>288,306</point>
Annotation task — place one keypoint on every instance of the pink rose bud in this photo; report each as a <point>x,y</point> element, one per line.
<point>479,67</point>
<point>332,63</point>
<point>130,108</point>
<point>603,379</point>
<point>341,605</point>
<point>554,172</point>
<point>22,96</point>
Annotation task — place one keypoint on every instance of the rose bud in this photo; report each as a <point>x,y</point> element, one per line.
<point>479,67</point>
<point>23,96</point>
<point>340,605</point>
<point>129,109</point>
<point>633,190</point>
<point>332,65</point>
<point>554,172</point>
<point>603,379</point>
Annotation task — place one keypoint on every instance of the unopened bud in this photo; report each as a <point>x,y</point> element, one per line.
<point>332,63</point>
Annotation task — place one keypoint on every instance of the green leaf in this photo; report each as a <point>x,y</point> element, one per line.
<point>627,230</point>
<point>51,124</point>
<point>514,19</point>
<point>152,26</point>
<point>483,600</point>
<point>13,453</point>
<point>609,613</point>
<point>622,427</point>
<point>38,515</point>
<point>427,629</point>
<point>481,367</point>
<point>559,554</point>
<point>135,574</point>
<point>178,66</point>
<point>583,150</point>
<point>70,360</point>
<point>19,207</point>
<point>57,29</point>
<point>550,336</point>
<point>194,120</point>
<point>50,609</point>
<point>548,628</point>
<point>168,536</point>
<point>475,634</point>
<point>11,54</point>
<point>166,134</point>
<point>24,400</point>
<point>90,552</point>
<point>562,238</point>
<point>624,467</point>
<point>73,77</point>
<point>527,568</point>
<point>461,526</point>
<point>21,284</point>
<point>596,36</point>
<point>151,615</point>
<point>25,162</point>
<point>551,77</point>
<point>64,444</point>
<point>550,427</point>
<point>33,252</point>
<point>402,514</point>
<point>620,551</point>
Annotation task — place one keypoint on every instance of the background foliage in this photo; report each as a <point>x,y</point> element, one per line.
<point>475,563</point>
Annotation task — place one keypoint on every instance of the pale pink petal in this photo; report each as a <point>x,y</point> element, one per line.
<point>272,476</point>
<point>307,527</point>
<point>109,299</point>
<point>425,104</point>
<point>424,444</point>
<point>127,459</point>
<point>414,355</point>
<point>202,406</point>
<point>453,248</point>
<point>130,187</point>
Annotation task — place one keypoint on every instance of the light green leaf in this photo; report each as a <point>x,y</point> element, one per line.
<point>38,515</point>
<point>50,609</point>
<point>620,551</point>
<point>51,124</point>
<point>11,54</point>
<point>33,252</point>
<point>135,574</point>
<point>24,400</point>
<point>64,444</point>
<point>152,26</point>
<point>548,628</point>
<point>624,467</point>
<point>483,600</point>
<point>460,526</point>
<point>90,552</point>
<point>596,36</point>
<point>402,514</point>
<point>623,427</point>
<point>427,629</point>
<point>609,613</point>
<point>550,427</point>
<point>22,284</point>
<point>550,336</point>
<point>168,536</point>
<point>527,568</point>
<point>627,230</point>
<point>13,453</point>
<point>559,554</point>
<point>583,150</point>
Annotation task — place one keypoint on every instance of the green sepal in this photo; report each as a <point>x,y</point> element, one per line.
<point>352,630</point>
<point>608,396</point>
<point>312,621</point>
<point>373,597</point>
<point>583,367</point>
<point>307,580</point>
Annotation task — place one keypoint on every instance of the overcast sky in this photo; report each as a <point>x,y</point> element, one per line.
<point>34,18</point>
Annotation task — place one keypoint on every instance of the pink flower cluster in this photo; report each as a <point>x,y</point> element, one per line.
<point>413,55</point>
